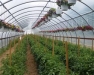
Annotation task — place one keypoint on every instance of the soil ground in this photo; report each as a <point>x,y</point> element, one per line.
<point>30,63</point>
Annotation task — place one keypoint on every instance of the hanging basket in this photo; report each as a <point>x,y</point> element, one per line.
<point>64,7</point>
<point>71,2</point>
<point>58,11</point>
<point>49,18</point>
<point>54,16</point>
<point>46,20</point>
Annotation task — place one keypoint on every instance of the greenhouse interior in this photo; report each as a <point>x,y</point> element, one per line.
<point>46,37</point>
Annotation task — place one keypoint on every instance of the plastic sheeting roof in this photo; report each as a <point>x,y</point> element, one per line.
<point>25,12</point>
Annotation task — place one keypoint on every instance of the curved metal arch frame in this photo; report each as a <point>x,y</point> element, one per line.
<point>61,26</point>
<point>55,24</point>
<point>66,25</point>
<point>22,13</point>
<point>55,27</point>
<point>21,17</point>
<point>25,3</point>
<point>82,17</point>
<point>37,1</point>
<point>24,22</point>
<point>87,22</point>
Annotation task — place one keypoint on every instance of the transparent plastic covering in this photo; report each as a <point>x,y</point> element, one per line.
<point>28,12</point>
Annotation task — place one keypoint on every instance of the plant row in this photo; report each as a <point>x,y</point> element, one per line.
<point>47,63</point>
<point>18,61</point>
<point>80,62</point>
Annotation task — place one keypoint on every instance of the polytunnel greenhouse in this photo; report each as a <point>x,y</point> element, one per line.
<point>46,37</point>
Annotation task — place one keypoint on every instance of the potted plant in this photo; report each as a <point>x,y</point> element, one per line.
<point>88,27</point>
<point>81,28</point>
<point>46,17</point>
<point>58,10</point>
<point>63,4</point>
<point>1,23</point>
<point>52,13</point>
<point>5,25</point>
<point>58,2</point>
<point>73,29</point>
<point>49,14</point>
<point>71,2</point>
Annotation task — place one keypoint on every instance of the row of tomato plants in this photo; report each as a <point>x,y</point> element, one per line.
<point>18,60</point>
<point>46,62</point>
<point>81,63</point>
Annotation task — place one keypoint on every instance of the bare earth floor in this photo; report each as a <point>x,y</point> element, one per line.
<point>30,63</point>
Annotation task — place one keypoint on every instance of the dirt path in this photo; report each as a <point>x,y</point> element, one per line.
<point>30,63</point>
<point>5,54</point>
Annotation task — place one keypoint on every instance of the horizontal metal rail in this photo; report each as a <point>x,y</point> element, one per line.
<point>72,37</point>
<point>9,37</point>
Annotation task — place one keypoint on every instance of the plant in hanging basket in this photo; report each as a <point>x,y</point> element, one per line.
<point>12,27</point>
<point>43,19</point>
<point>51,11</point>
<point>63,4</point>
<point>73,29</point>
<point>5,25</point>
<point>17,28</point>
<point>79,28</point>
<point>46,16</point>
<point>58,2</point>
<point>53,14</point>
<point>67,29</point>
<point>63,29</point>
<point>58,10</point>
<point>83,28</point>
<point>71,2</point>
<point>1,23</point>
<point>88,27</point>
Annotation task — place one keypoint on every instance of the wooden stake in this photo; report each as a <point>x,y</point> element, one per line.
<point>53,47</point>
<point>78,46</point>
<point>67,65</point>
<point>45,43</point>
<point>92,44</point>
<point>63,39</point>
<point>76,41</point>
<point>10,54</point>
